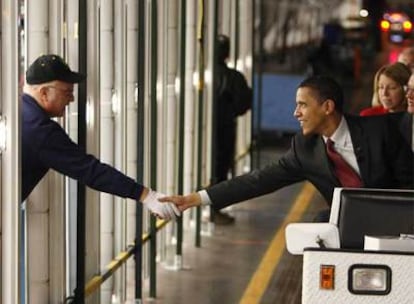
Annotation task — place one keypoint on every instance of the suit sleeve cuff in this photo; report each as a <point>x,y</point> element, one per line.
<point>205,199</point>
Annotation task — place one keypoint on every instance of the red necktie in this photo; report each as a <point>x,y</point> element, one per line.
<point>343,171</point>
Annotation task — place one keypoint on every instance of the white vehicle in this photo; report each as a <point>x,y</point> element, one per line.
<point>365,254</point>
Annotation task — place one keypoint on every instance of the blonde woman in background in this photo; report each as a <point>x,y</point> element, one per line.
<point>389,94</point>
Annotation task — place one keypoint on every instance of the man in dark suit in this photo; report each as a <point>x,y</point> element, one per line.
<point>372,146</point>
<point>406,123</point>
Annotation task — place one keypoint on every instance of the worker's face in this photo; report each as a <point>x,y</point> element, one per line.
<point>310,111</point>
<point>58,95</point>
<point>391,94</point>
<point>410,95</point>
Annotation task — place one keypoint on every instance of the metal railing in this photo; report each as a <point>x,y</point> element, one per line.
<point>93,284</point>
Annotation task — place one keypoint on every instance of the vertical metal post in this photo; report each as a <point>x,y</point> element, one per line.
<point>182,50</point>
<point>11,246</point>
<point>183,8</point>
<point>105,30</point>
<point>140,147</point>
<point>81,192</point>
<point>257,118</point>
<point>253,47</point>
<point>200,92</point>
<point>213,28</point>
<point>213,67</point>
<point>236,32</point>
<point>153,143</point>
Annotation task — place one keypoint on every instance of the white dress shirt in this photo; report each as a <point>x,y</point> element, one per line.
<point>205,199</point>
<point>343,144</point>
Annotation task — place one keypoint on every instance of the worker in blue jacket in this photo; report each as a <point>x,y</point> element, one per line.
<point>46,145</point>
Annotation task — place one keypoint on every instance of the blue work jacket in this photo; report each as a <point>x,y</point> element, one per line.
<point>45,145</point>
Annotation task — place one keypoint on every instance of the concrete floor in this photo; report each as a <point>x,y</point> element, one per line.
<point>220,271</point>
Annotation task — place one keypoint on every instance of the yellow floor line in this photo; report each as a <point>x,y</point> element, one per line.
<point>262,276</point>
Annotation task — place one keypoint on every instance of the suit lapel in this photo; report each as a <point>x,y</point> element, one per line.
<point>360,144</point>
<point>406,127</point>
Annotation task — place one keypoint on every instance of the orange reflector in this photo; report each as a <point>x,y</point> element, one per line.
<point>327,277</point>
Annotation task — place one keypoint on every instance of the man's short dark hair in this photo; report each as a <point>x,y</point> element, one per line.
<point>327,88</point>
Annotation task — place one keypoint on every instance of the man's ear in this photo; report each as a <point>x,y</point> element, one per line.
<point>42,90</point>
<point>329,105</point>
<point>43,93</point>
<point>42,96</point>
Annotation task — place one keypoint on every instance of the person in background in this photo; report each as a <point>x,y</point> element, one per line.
<point>388,92</point>
<point>407,57</point>
<point>233,97</point>
<point>45,144</point>
<point>371,148</point>
<point>407,122</point>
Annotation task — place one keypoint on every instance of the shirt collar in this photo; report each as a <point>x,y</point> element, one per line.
<point>341,136</point>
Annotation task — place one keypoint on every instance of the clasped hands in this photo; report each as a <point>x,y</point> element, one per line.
<point>169,207</point>
<point>165,211</point>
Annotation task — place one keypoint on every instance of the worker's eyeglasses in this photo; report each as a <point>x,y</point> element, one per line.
<point>67,92</point>
<point>408,90</point>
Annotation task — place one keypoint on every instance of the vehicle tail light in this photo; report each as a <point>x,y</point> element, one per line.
<point>385,25</point>
<point>407,26</point>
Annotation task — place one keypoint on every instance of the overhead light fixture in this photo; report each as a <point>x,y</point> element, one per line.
<point>90,113</point>
<point>136,95</point>
<point>3,133</point>
<point>363,13</point>
<point>115,102</point>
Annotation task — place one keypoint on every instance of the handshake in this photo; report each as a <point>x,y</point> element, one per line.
<point>166,211</point>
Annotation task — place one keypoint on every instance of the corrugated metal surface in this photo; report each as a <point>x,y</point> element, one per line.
<point>402,277</point>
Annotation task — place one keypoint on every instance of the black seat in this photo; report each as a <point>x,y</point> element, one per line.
<point>373,212</point>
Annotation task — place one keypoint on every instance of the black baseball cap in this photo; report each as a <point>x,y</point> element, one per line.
<point>51,67</point>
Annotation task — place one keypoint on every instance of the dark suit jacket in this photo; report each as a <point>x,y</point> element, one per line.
<point>384,158</point>
<point>406,127</point>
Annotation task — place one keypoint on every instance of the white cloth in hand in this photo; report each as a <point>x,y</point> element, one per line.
<point>165,211</point>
